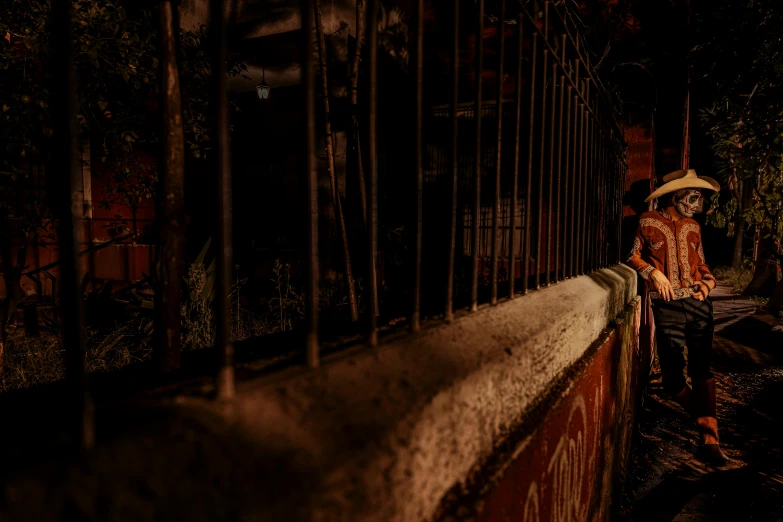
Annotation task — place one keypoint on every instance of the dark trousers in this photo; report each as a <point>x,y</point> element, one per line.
<point>680,323</point>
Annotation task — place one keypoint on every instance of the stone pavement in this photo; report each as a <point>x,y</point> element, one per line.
<point>666,482</point>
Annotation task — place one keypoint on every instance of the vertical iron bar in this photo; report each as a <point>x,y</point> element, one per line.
<point>477,181</point>
<point>591,188</point>
<point>574,167</point>
<point>599,187</point>
<point>605,198</point>
<point>549,211</point>
<point>622,207</point>
<point>580,226</point>
<point>610,239</point>
<point>590,185</point>
<point>620,190</point>
<point>609,199</point>
<point>558,189</point>
<point>540,207</point>
<point>416,315</point>
<point>585,191</point>
<point>372,185</point>
<point>596,181</point>
<point>312,348</point>
<point>602,200</point>
<point>69,212</point>
<point>597,195</point>
<point>449,309</point>
<point>593,192</point>
<point>585,188</point>
<point>515,182</point>
<point>567,185</point>
<point>614,207</point>
<point>498,166</point>
<point>222,166</point>
<point>525,257</point>
<point>585,168</point>
<point>330,166</point>
<point>610,217</point>
<point>545,25</point>
<point>575,189</point>
<point>170,254</point>
<point>614,202</point>
<point>605,203</point>
<point>602,197</point>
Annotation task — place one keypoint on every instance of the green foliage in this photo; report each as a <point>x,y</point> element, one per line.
<point>739,56</point>
<point>198,324</point>
<point>287,305</point>
<point>117,67</point>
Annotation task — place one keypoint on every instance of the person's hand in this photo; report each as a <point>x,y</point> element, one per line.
<point>703,292</point>
<point>662,285</point>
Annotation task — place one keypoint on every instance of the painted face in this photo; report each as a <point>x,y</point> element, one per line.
<point>687,201</point>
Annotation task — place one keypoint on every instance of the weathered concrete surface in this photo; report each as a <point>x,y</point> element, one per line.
<point>371,435</point>
<point>571,463</point>
<point>392,431</point>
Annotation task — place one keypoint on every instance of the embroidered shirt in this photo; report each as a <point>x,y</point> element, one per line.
<point>673,247</point>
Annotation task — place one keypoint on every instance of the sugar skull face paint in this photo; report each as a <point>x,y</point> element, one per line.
<point>688,202</point>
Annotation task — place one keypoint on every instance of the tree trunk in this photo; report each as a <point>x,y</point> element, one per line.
<point>170,264</point>
<point>742,192</point>
<point>739,234</point>
<point>336,203</point>
<point>765,268</point>
<point>775,304</point>
<point>355,139</point>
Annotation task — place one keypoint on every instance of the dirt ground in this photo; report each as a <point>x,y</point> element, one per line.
<point>666,482</point>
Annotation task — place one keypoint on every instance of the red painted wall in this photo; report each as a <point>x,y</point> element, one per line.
<point>640,138</point>
<point>121,263</point>
<point>567,469</point>
<point>640,156</point>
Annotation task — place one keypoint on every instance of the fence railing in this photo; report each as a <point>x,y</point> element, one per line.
<point>525,195</point>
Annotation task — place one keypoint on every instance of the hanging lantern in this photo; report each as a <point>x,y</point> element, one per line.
<point>263,88</point>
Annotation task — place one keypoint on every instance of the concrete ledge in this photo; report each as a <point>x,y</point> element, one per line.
<point>384,434</point>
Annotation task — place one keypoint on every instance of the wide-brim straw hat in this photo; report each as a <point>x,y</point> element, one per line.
<point>682,179</point>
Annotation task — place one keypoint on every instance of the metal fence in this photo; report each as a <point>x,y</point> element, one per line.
<point>528,194</point>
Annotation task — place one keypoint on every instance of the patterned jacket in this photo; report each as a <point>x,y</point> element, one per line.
<point>673,247</point>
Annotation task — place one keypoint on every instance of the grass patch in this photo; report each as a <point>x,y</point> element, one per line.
<point>739,279</point>
<point>37,360</point>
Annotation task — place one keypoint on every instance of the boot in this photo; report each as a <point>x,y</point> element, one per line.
<point>684,398</point>
<point>704,409</point>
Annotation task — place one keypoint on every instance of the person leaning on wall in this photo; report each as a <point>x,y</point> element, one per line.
<point>667,252</point>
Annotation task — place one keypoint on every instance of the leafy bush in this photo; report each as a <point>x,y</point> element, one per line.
<point>198,324</point>
<point>31,361</point>
<point>116,59</point>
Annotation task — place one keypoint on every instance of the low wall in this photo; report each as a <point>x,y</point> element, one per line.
<point>569,460</point>
<point>391,432</point>
<point>523,409</point>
